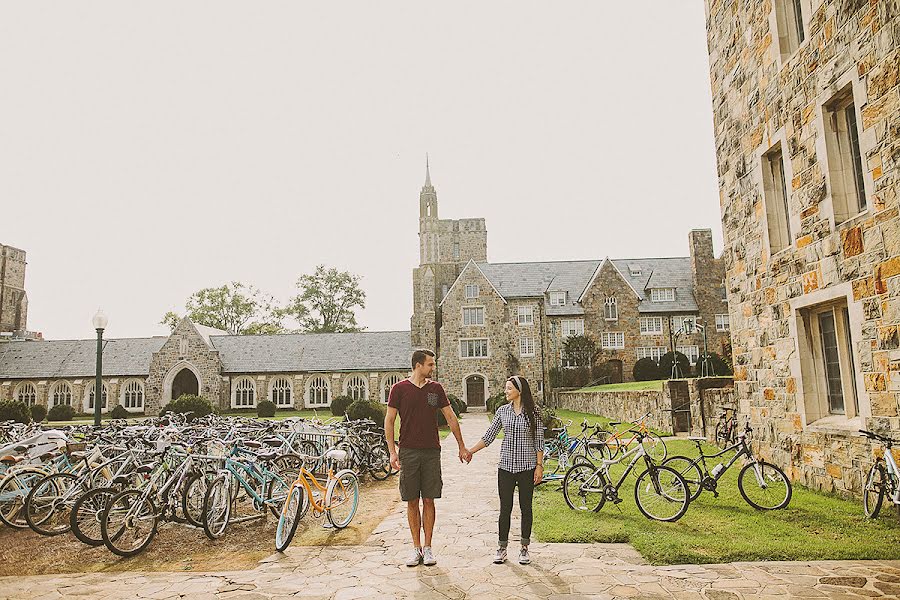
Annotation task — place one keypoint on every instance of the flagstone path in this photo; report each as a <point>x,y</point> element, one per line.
<point>464,543</point>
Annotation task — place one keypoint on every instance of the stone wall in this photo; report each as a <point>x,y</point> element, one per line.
<point>185,349</point>
<point>13,299</point>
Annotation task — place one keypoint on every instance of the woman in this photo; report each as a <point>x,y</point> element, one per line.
<point>521,455</point>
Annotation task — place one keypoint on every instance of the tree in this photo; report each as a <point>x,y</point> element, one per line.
<point>581,350</point>
<point>327,301</point>
<point>234,307</point>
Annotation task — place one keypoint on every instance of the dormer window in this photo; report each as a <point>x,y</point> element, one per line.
<point>557,298</point>
<point>662,295</point>
<point>635,270</point>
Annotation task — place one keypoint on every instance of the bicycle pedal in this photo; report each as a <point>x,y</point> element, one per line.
<point>617,501</point>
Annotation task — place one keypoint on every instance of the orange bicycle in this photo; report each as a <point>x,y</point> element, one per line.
<point>337,499</point>
<point>615,442</point>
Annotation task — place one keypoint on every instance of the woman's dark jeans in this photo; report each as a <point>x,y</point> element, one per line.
<point>506,484</point>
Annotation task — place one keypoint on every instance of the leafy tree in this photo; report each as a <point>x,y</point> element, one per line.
<point>581,349</point>
<point>234,307</point>
<point>327,301</point>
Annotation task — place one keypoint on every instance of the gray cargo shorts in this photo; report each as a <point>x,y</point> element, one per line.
<point>420,473</point>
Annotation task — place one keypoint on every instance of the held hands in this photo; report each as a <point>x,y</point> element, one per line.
<point>465,455</point>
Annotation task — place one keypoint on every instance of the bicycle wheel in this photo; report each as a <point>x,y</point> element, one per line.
<point>288,466</point>
<point>48,504</point>
<point>595,448</point>
<point>310,452</point>
<point>193,496</point>
<point>277,490</point>
<point>721,433</point>
<point>655,447</point>
<point>661,494</point>
<point>86,513</point>
<point>764,486</point>
<point>289,518</point>
<point>380,468</point>
<point>128,523</point>
<point>217,507</point>
<point>582,490</point>
<point>690,471</point>
<point>342,498</point>
<point>873,491</point>
<point>13,490</point>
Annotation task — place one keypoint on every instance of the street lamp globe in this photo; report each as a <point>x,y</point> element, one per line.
<point>100,320</point>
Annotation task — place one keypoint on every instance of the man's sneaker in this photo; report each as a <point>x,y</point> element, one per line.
<point>415,559</point>
<point>500,557</point>
<point>428,558</point>
<point>524,557</point>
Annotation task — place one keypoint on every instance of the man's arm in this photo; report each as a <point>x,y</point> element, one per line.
<point>389,418</point>
<point>453,422</point>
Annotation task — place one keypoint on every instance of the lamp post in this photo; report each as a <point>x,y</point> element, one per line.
<point>99,322</point>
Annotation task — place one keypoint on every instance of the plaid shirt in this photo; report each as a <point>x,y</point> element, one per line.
<point>519,450</point>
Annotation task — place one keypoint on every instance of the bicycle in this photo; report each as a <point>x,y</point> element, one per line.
<point>762,485</point>
<point>883,478</point>
<point>614,443</point>
<point>660,492</point>
<point>341,489</point>
<point>726,427</point>
<point>559,449</point>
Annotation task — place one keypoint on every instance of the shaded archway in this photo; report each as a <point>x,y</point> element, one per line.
<point>185,382</point>
<point>614,369</point>
<point>475,390</point>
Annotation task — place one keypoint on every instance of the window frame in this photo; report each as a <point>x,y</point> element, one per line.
<point>126,393</point>
<point>694,352</point>
<point>776,199</point>
<point>578,329</point>
<point>646,330</point>
<point>846,203</point>
<point>649,351</point>
<point>51,397</point>
<point>558,294</point>
<point>239,392</point>
<point>20,392</point>
<point>681,319</point>
<point>523,350</point>
<point>277,391</point>
<point>614,335</point>
<point>469,310</point>
<point>655,293</point>
<point>463,343</point>
<point>726,328</point>
<point>387,382</point>
<point>528,313</point>
<point>472,291</point>
<point>611,309</point>
<point>319,390</point>
<point>104,396</point>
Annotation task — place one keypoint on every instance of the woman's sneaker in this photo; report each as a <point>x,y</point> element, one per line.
<point>415,558</point>
<point>500,557</point>
<point>524,557</point>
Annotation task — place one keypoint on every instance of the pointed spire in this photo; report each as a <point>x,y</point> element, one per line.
<point>427,172</point>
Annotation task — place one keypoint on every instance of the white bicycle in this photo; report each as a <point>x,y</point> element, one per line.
<point>883,478</point>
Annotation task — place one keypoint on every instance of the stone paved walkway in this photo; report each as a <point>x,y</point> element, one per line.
<point>464,542</point>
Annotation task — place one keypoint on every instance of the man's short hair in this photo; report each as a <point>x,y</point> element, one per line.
<point>418,357</point>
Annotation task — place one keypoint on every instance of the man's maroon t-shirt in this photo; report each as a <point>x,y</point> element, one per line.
<point>418,408</point>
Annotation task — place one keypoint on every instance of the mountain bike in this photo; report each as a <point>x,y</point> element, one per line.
<point>613,442</point>
<point>726,428</point>
<point>883,478</point>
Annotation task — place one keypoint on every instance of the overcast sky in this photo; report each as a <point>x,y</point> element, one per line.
<point>148,150</point>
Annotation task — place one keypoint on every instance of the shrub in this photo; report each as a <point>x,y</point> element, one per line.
<point>339,405</point>
<point>718,367</point>
<point>364,409</point>
<point>38,413</point>
<point>665,365</point>
<point>119,412</point>
<point>14,411</point>
<point>189,403</point>
<point>455,405</point>
<point>60,412</point>
<point>266,408</point>
<point>454,400</point>
<point>550,420</point>
<point>496,401</point>
<point>645,369</point>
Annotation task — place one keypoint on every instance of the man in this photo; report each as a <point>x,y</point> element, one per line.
<point>417,400</point>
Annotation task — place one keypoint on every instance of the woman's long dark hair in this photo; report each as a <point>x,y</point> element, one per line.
<point>531,413</point>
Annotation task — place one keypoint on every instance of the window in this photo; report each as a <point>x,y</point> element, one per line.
<point>635,270</point>
<point>651,325</point>
<point>570,327</point>
<point>776,200</point>
<point>526,315</point>
<point>789,21</point>
<point>473,348</point>
<point>317,392</point>
<point>472,290</point>
<point>526,346</point>
<point>26,393</point>
<point>654,352</point>
<point>611,309</point>
<point>692,352</point>
<point>456,250</point>
<point>61,394</point>
<point>686,324</point>
<point>389,382</point>
<point>90,397</point>
<point>723,323</point>
<point>133,396</point>
<point>244,393</point>
<point>827,363</point>
<point>662,295</point>
<point>473,315</point>
<point>612,340</point>
<point>557,298</point>
<point>357,388</point>
<point>845,171</point>
<point>280,391</point>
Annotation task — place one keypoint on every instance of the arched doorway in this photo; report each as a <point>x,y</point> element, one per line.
<point>475,390</point>
<point>615,371</point>
<point>185,382</point>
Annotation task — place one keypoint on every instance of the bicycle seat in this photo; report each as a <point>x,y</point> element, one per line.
<point>697,438</point>
<point>10,459</point>
<point>272,442</point>
<point>336,455</point>
<point>267,457</point>
<point>614,423</point>
<point>252,444</point>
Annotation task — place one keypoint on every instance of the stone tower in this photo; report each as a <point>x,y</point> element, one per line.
<point>445,246</point>
<point>13,300</point>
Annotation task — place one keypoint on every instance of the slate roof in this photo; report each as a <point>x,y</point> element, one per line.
<point>50,359</point>
<point>661,273</point>
<point>365,351</point>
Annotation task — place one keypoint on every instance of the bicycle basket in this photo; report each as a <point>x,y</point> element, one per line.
<point>216,449</point>
<point>75,447</point>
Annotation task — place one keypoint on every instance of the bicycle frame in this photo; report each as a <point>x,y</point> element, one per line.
<point>742,448</point>
<point>893,472</point>
<point>639,453</point>
<point>263,477</point>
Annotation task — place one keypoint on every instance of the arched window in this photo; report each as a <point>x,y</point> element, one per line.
<point>243,393</point>
<point>90,397</point>
<point>133,396</point>
<point>26,393</point>
<point>389,382</point>
<point>317,392</point>
<point>61,394</point>
<point>357,388</point>
<point>280,391</point>
<point>611,311</point>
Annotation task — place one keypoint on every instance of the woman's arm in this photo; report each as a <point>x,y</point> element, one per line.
<point>489,436</point>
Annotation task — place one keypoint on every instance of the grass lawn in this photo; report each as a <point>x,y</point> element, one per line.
<point>655,385</point>
<point>814,526</point>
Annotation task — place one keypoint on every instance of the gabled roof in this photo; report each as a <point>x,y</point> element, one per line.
<point>535,279</point>
<point>597,272</point>
<point>672,272</point>
<point>50,359</point>
<point>469,264</point>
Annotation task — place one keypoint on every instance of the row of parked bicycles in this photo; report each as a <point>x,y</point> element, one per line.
<point>594,465</point>
<point>116,484</point>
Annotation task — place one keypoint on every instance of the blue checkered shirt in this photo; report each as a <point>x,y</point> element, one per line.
<point>519,449</point>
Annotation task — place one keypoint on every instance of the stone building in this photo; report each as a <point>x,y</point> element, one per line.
<point>235,372</point>
<point>13,299</point>
<point>806,109</point>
